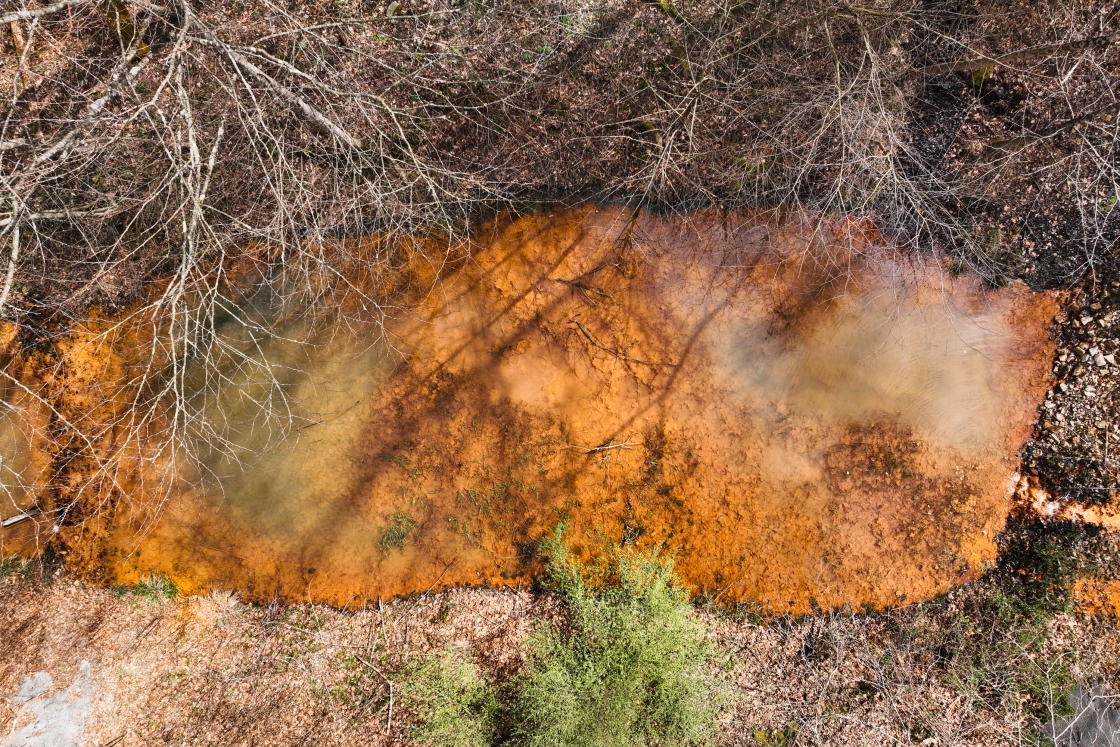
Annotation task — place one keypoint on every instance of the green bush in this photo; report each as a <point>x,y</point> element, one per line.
<point>999,649</point>
<point>999,656</point>
<point>1039,565</point>
<point>632,665</point>
<point>452,704</point>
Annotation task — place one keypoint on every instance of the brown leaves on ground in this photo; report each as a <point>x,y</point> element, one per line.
<point>207,670</point>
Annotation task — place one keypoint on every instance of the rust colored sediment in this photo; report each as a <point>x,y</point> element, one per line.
<point>69,436</point>
<point>1031,501</point>
<point>1098,597</point>
<point>802,415</point>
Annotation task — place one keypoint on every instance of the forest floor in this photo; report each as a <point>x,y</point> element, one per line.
<point>207,670</point>
<point>702,106</point>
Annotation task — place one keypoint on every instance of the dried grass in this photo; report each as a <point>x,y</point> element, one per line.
<point>208,670</point>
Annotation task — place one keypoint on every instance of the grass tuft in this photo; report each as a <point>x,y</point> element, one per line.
<point>396,534</point>
<point>998,656</point>
<point>156,588</point>
<point>13,566</point>
<point>630,665</point>
<point>996,645</point>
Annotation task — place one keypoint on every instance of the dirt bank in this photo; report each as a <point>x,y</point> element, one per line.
<point>208,670</point>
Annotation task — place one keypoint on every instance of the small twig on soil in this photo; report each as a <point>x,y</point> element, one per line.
<point>585,288</point>
<point>381,620</point>
<point>13,258</point>
<point>441,575</point>
<point>615,353</point>
<point>13,520</point>
<point>389,682</point>
<point>148,628</point>
<point>26,15</point>
<point>612,444</point>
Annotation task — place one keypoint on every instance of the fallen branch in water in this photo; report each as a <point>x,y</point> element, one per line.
<point>18,518</point>
<point>612,444</point>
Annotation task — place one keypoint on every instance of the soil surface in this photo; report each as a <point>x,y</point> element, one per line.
<point>207,670</point>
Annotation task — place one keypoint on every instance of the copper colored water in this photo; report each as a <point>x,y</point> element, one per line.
<point>22,467</point>
<point>801,414</point>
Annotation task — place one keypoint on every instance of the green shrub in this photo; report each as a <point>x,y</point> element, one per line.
<point>1039,563</point>
<point>452,704</point>
<point>999,649</point>
<point>993,646</point>
<point>632,665</point>
<point>776,738</point>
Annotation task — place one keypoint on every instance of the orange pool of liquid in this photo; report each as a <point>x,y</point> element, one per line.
<point>801,414</point>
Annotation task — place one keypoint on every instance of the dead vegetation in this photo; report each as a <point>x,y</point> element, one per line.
<point>990,664</point>
<point>150,153</point>
<point>162,163</point>
<point>144,139</point>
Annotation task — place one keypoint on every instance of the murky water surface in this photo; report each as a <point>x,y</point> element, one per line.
<point>14,462</point>
<point>802,415</point>
<point>22,467</point>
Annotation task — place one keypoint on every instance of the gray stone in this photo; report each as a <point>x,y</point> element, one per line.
<point>1094,723</point>
<point>32,687</point>
<point>52,721</point>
